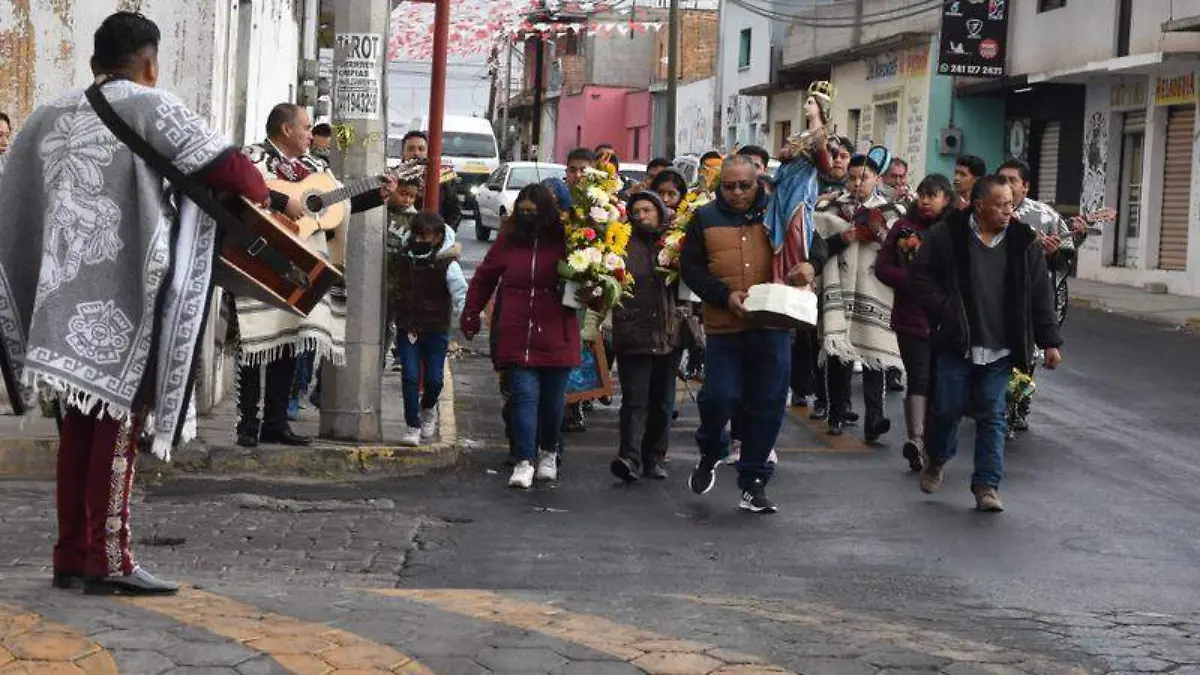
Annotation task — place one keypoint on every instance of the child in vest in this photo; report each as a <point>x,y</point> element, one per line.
<point>426,291</point>
<point>401,211</point>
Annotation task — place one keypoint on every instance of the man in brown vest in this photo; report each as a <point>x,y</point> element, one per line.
<point>747,365</point>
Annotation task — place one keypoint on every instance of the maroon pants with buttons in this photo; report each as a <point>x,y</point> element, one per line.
<point>96,458</point>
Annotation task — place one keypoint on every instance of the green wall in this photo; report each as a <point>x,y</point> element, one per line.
<point>981,119</point>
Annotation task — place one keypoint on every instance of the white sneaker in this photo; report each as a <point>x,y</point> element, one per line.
<point>735,453</point>
<point>522,475</point>
<point>411,437</point>
<point>772,458</point>
<point>429,424</point>
<point>547,468</point>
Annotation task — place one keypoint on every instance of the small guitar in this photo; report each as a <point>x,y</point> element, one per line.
<point>326,200</point>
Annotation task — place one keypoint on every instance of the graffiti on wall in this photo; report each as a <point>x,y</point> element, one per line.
<point>694,117</point>
<point>914,149</point>
<point>1095,158</point>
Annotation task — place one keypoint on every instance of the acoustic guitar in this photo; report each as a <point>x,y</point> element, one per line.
<point>326,201</point>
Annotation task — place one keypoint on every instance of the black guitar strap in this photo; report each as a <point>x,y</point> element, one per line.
<point>227,223</point>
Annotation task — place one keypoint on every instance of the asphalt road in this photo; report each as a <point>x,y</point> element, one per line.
<point>1095,565</point>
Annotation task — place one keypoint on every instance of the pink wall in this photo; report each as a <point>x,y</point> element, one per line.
<point>637,116</point>
<point>594,116</point>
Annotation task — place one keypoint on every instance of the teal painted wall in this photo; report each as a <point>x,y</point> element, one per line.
<point>980,117</point>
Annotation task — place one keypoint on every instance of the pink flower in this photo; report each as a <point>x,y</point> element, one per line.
<point>589,234</point>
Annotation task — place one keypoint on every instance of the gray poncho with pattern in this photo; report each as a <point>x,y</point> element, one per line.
<point>86,247</point>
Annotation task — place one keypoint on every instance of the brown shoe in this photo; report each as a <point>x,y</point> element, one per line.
<point>987,499</point>
<point>931,477</point>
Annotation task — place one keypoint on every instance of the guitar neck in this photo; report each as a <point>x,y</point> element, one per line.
<point>351,190</point>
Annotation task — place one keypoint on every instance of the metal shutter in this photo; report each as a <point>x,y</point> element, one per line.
<point>1047,182</point>
<point>1177,183</point>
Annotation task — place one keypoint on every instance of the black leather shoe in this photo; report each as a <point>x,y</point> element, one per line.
<point>140,582</point>
<point>850,417</point>
<point>247,439</point>
<point>622,468</point>
<point>876,428</point>
<point>835,428</point>
<point>654,472</point>
<point>67,580</point>
<point>285,437</point>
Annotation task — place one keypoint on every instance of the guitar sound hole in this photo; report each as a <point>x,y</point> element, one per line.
<point>314,203</point>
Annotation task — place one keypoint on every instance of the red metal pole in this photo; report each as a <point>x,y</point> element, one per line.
<point>437,101</point>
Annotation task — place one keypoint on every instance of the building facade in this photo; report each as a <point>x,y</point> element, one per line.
<point>746,41</point>
<point>1108,119</point>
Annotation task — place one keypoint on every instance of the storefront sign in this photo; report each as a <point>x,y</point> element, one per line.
<point>358,76</point>
<point>974,37</point>
<point>1177,90</point>
<point>910,63</point>
<point>1128,95</point>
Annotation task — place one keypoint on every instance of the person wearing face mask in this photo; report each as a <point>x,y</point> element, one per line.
<point>426,288</point>
<point>646,330</point>
<point>935,198</point>
<point>538,340</point>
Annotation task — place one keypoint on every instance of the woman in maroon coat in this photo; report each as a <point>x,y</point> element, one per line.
<point>538,342</point>
<point>934,198</point>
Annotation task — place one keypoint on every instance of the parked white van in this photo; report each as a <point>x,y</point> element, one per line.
<point>469,143</point>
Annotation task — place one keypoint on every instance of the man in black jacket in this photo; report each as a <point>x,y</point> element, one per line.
<point>981,278</point>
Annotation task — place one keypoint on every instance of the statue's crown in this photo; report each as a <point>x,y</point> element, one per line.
<point>822,88</point>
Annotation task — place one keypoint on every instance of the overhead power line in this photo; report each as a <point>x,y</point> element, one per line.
<point>811,21</point>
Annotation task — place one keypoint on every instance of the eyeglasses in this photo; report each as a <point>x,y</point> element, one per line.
<point>736,185</point>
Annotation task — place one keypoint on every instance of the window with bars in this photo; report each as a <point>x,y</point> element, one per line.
<point>1047,5</point>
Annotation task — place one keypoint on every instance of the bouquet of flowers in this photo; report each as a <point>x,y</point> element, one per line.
<point>597,238</point>
<point>671,244</point>
<point>907,245</point>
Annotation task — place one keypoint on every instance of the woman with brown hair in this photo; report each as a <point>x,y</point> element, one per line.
<point>538,341</point>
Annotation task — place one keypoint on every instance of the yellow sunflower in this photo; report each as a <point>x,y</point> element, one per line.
<point>617,237</point>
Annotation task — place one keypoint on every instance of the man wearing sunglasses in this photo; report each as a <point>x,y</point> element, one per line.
<point>747,366</point>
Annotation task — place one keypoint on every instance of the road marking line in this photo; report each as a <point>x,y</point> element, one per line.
<point>33,645</point>
<point>843,443</point>
<point>301,647</point>
<point>652,652</point>
<point>852,625</point>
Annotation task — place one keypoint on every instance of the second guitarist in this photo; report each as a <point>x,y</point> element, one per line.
<point>272,338</point>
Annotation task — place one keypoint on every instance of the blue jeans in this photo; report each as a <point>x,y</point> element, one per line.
<point>429,351</point>
<point>750,372</point>
<point>538,398</point>
<point>957,382</point>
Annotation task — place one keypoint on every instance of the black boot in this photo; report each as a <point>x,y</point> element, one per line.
<point>249,392</point>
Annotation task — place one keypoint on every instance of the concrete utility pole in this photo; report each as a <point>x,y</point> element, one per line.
<point>672,74</point>
<point>351,396</point>
<point>504,135</point>
<point>539,65</point>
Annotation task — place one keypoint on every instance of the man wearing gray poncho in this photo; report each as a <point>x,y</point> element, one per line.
<point>103,290</point>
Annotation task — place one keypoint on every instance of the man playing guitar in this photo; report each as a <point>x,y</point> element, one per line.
<point>271,337</point>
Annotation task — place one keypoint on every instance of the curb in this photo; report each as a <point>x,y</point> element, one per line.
<point>324,460</point>
<point>35,458</point>
<point>1191,324</point>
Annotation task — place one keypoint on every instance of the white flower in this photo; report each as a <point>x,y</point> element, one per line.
<point>614,214</point>
<point>598,196</point>
<point>578,260</point>
<point>614,262</point>
<point>664,257</point>
<point>595,174</point>
<point>598,214</point>
<point>593,256</point>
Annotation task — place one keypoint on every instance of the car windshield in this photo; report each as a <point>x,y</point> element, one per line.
<point>460,144</point>
<point>521,176</point>
<point>638,176</point>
